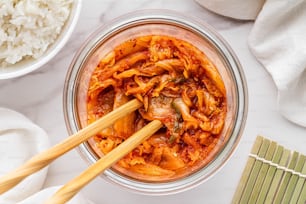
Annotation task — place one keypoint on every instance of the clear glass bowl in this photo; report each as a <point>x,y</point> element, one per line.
<point>160,22</point>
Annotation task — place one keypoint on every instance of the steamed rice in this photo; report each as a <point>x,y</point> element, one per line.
<point>29,27</point>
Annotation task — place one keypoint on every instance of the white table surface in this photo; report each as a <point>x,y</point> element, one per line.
<point>39,96</point>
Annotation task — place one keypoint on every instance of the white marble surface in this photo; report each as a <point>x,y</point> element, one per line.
<point>39,96</point>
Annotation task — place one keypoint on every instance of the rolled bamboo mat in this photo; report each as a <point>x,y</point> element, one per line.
<point>273,174</point>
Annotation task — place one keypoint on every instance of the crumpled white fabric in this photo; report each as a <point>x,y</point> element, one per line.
<point>278,41</point>
<point>20,139</point>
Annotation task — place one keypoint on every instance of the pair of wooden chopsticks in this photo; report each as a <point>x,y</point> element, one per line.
<point>74,186</point>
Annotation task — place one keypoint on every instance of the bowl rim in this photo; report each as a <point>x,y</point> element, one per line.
<point>54,48</point>
<point>228,55</point>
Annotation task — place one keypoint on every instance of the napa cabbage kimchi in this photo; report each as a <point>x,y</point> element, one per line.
<point>178,85</point>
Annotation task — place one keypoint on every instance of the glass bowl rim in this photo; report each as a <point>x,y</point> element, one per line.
<point>165,16</point>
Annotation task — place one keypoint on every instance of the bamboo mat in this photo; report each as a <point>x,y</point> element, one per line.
<point>273,174</point>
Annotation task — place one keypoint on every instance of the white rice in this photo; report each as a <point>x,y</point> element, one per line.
<point>29,27</point>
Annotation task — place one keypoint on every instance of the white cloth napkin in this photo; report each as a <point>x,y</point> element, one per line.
<point>278,41</point>
<point>20,139</point>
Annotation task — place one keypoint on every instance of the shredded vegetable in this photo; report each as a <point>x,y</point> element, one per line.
<point>179,86</point>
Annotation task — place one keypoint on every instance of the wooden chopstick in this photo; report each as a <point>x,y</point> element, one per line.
<point>74,186</point>
<point>43,159</point>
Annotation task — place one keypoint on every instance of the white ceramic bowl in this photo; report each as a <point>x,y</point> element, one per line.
<point>26,66</point>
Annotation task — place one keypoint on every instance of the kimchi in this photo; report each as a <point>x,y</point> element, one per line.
<point>178,85</point>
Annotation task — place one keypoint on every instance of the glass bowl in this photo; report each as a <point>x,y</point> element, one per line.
<point>169,23</point>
